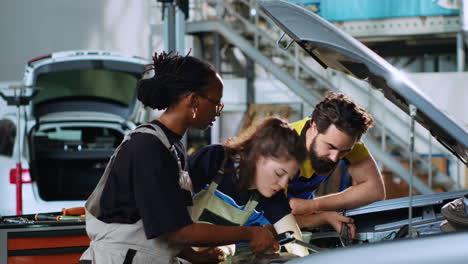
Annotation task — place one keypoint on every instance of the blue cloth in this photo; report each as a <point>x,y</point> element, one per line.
<point>307,181</point>
<point>256,219</point>
<point>300,188</point>
<point>344,176</point>
<point>314,183</point>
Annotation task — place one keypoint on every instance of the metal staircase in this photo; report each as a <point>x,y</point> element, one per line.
<point>243,25</point>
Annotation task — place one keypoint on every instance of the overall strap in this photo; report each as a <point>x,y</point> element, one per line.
<point>253,201</point>
<point>254,198</point>
<point>92,203</point>
<point>159,133</point>
<point>219,176</point>
<point>184,178</point>
<point>181,149</point>
<point>156,131</point>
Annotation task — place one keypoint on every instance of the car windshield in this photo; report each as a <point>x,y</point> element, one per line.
<point>101,84</point>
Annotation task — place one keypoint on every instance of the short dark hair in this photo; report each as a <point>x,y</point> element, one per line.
<point>174,77</point>
<point>272,138</point>
<point>341,111</point>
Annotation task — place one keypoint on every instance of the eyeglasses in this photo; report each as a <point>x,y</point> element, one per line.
<point>219,106</point>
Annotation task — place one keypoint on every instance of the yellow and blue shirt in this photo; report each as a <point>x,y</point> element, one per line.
<point>306,181</point>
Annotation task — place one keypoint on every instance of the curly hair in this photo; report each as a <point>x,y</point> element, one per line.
<point>272,138</point>
<point>174,77</point>
<point>341,111</point>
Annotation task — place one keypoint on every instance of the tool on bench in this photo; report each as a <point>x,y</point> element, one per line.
<point>288,237</point>
<point>70,214</point>
<point>76,214</point>
<point>17,220</point>
<point>74,211</point>
<point>48,217</point>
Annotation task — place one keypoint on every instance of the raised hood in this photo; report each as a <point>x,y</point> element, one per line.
<point>333,48</point>
<point>84,81</point>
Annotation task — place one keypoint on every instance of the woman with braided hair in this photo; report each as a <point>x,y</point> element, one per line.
<point>139,211</point>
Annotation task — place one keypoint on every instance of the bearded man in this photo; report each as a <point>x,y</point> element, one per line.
<point>332,136</point>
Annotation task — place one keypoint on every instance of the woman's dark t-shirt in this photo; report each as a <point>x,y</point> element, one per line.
<point>144,184</point>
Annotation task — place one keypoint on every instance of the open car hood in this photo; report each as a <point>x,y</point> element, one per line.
<point>333,48</point>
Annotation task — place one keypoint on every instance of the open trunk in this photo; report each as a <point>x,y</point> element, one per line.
<point>68,161</point>
<point>85,105</point>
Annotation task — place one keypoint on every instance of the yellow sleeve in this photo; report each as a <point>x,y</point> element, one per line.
<point>358,153</point>
<point>299,125</point>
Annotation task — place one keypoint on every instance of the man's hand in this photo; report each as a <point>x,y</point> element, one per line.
<point>302,206</point>
<point>368,187</point>
<point>336,220</point>
<point>262,241</point>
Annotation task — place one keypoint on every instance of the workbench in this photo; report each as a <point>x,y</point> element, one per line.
<point>52,243</point>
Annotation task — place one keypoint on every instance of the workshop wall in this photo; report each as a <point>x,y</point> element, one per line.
<point>29,29</point>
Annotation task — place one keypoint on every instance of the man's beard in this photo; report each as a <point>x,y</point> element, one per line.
<point>322,166</point>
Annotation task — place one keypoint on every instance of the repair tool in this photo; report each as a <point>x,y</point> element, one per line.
<point>345,235</point>
<point>288,237</point>
<point>71,218</point>
<point>73,211</point>
<point>50,217</point>
<point>18,220</point>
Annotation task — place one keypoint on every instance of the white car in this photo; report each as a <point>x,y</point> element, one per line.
<point>85,105</point>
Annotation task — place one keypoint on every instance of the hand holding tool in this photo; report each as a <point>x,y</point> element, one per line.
<point>345,234</point>
<point>288,237</point>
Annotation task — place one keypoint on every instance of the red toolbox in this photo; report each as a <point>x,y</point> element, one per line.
<point>35,242</point>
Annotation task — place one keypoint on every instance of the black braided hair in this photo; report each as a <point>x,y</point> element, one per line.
<point>174,76</point>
